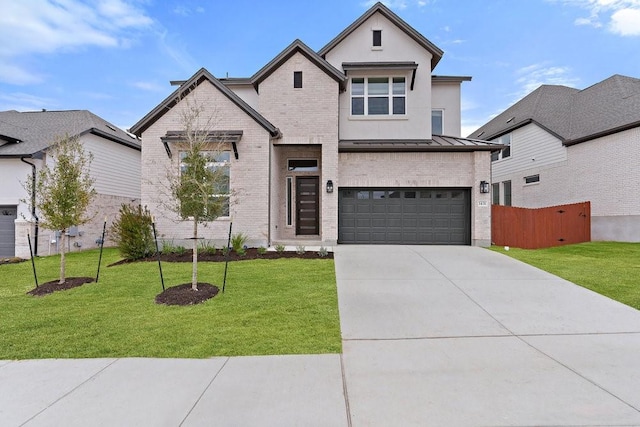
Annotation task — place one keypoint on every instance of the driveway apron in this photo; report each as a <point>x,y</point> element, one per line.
<point>453,335</point>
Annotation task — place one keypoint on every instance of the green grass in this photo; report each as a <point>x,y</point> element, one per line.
<point>286,306</point>
<point>609,268</point>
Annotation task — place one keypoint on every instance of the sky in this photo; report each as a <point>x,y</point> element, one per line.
<point>116,57</point>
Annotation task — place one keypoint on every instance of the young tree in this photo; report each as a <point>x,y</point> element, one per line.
<point>200,186</point>
<point>64,190</point>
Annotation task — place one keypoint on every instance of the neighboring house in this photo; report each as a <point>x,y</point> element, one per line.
<point>24,140</point>
<point>341,145</point>
<point>566,145</point>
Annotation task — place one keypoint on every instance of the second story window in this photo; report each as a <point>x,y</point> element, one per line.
<point>377,38</point>
<point>437,122</point>
<point>297,79</point>
<point>378,96</point>
<point>506,151</point>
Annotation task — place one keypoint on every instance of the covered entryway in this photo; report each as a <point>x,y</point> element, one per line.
<point>424,216</point>
<point>8,215</point>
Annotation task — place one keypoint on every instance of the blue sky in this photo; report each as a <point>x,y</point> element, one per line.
<point>116,57</point>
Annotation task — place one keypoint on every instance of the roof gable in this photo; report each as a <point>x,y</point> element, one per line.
<point>198,78</point>
<point>298,47</point>
<point>397,21</point>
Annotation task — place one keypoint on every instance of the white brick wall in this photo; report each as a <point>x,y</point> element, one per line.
<point>249,174</point>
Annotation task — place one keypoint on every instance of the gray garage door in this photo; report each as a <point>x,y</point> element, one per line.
<point>421,216</point>
<point>8,215</point>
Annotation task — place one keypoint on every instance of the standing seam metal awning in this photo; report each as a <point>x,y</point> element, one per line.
<point>216,136</point>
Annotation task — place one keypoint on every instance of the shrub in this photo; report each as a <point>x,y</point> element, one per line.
<point>323,252</point>
<point>300,249</point>
<point>208,248</point>
<point>132,232</point>
<point>262,250</point>
<point>280,248</point>
<point>238,241</point>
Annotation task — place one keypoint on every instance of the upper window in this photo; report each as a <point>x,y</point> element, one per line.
<point>216,161</point>
<point>506,151</point>
<point>507,192</point>
<point>377,38</point>
<point>297,79</point>
<point>437,124</point>
<point>378,96</point>
<point>495,193</point>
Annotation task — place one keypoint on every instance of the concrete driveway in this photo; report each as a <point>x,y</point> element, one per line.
<point>464,336</point>
<point>432,336</point>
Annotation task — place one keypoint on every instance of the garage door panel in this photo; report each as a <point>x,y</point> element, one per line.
<point>406,215</point>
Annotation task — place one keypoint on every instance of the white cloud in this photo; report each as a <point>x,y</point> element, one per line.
<point>16,75</point>
<point>531,77</point>
<point>24,102</point>
<point>397,4</point>
<point>626,22</point>
<point>51,26</point>
<point>622,17</point>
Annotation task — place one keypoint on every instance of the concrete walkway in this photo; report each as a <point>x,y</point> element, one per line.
<point>431,336</point>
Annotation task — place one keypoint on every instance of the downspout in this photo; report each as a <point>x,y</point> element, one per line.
<point>33,201</point>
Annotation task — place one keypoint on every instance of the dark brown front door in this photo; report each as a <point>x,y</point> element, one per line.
<point>307,201</point>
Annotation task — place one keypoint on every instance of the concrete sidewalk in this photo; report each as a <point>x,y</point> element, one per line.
<point>432,336</point>
<point>453,336</point>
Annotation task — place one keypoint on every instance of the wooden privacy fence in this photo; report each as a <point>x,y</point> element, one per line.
<point>540,228</point>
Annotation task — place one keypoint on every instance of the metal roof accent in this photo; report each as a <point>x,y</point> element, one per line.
<point>396,20</point>
<point>399,65</point>
<point>216,136</point>
<point>439,143</point>
<point>298,47</point>
<point>573,115</point>
<point>450,79</point>
<point>29,133</point>
<point>186,88</point>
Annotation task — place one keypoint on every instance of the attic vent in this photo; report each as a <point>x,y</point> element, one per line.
<point>510,120</point>
<point>111,127</point>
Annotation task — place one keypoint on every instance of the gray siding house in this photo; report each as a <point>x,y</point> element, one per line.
<point>24,140</point>
<point>565,145</point>
<point>358,142</point>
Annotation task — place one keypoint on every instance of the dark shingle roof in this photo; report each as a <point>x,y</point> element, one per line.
<point>570,114</point>
<point>28,133</point>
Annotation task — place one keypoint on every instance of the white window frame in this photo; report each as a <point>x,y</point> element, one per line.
<point>441,110</point>
<point>506,141</point>
<point>215,165</point>
<point>390,95</point>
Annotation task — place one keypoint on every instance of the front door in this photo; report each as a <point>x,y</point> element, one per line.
<point>307,209</point>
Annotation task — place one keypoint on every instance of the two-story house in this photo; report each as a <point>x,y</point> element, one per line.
<point>564,145</point>
<point>358,142</point>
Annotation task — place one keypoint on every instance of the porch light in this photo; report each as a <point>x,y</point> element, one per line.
<point>484,187</point>
<point>329,186</point>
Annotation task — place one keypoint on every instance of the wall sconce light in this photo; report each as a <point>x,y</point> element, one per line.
<point>484,187</point>
<point>329,186</point>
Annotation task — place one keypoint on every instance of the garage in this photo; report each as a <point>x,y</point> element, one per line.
<point>419,216</point>
<point>8,215</point>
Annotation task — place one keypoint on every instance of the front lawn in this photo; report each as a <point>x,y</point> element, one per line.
<point>284,306</point>
<point>609,268</point>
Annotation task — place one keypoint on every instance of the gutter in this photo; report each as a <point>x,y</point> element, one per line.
<point>33,201</point>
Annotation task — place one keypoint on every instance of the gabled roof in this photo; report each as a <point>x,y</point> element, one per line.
<point>298,47</point>
<point>198,78</point>
<point>440,143</point>
<point>29,133</point>
<point>573,115</point>
<point>395,19</point>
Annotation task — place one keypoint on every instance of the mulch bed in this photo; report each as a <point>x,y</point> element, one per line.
<point>184,295</point>
<point>251,253</point>
<point>12,260</point>
<point>53,286</point>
